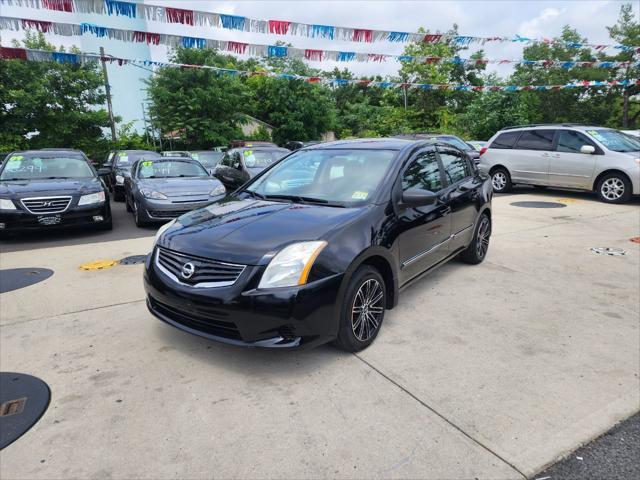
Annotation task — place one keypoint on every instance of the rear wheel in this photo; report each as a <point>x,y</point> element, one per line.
<point>614,188</point>
<point>362,310</point>
<point>501,180</point>
<point>477,249</point>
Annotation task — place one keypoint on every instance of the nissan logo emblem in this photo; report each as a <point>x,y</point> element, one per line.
<point>188,270</point>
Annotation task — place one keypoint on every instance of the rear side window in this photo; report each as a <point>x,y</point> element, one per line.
<point>571,142</point>
<point>505,140</point>
<point>455,165</point>
<point>536,140</point>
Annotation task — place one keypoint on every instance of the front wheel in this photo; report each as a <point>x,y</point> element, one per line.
<point>477,249</point>
<point>362,310</point>
<point>614,188</point>
<point>501,180</point>
<point>138,216</point>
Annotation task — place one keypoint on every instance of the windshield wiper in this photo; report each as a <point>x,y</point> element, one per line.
<point>14,179</point>
<point>302,199</point>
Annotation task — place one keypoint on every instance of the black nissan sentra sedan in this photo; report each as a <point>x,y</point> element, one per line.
<point>165,188</point>
<point>42,189</point>
<point>317,247</point>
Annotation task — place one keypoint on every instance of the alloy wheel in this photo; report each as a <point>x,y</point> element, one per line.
<point>482,241</point>
<point>612,188</point>
<point>499,181</point>
<point>367,309</point>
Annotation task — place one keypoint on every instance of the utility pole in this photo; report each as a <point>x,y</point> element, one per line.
<point>404,90</point>
<point>108,91</point>
<point>146,130</point>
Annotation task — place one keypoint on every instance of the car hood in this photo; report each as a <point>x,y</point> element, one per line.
<point>244,231</point>
<point>177,187</point>
<point>45,187</point>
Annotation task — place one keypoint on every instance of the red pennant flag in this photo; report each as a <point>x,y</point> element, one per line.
<point>13,53</point>
<point>177,15</point>
<point>477,88</point>
<point>377,57</point>
<point>149,38</point>
<point>431,60</point>
<point>314,79</point>
<point>39,25</point>
<point>60,5</point>
<point>430,38</point>
<point>316,55</point>
<point>236,47</point>
<point>279,27</point>
<point>361,35</point>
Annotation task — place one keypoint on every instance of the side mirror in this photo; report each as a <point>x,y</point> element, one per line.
<point>104,171</point>
<point>416,197</point>
<point>588,149</point>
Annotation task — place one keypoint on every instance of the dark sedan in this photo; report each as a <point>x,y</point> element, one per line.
<point>240,164</point>
<point>161,189</point>
<point>41,189</point>
<point>118,167</point>
<point>285,263</point>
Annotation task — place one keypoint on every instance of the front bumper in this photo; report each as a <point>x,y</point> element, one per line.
<point>21,220</point>
<point>163,210</point>
<point>242,315</point>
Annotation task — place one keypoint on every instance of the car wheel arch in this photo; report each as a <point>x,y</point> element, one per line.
<point>496,167</point>
<point>607,172</point>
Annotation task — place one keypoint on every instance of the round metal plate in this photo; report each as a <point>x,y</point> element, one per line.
<point>23,400</point>
<point>608,251</point>
<point>538,204</point>
<point>15,278</point>
<point>133,260</point>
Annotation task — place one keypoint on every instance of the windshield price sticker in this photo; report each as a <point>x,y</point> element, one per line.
<point>248,152</point>
<point>147,163</point>
<point>16,158</point>
<point>194,156</point>
<point>360,195</point>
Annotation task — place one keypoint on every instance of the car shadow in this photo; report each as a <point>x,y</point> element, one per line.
<point>559,194</point>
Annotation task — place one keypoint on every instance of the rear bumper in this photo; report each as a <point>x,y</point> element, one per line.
<point>242,315</point>
<point>20,220</point>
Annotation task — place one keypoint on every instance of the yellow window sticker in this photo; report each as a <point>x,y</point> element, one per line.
<point>248,152</point>
<point>360,195</point>
<point>16,158</point>
<point>122,154</point>
<point>194,156</point>
<point>147,163</point>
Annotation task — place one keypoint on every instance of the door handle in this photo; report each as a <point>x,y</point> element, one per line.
<point>546,155</point>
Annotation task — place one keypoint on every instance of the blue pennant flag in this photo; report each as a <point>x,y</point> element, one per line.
<point>125,9</point>
<point>277,51</point>
<point>398,36</point>
<point>528,62</point>
<point>385,84</point>
<point>287,76</point>
<point>192,42</point>
<point>568,64</point>
<point>323,31</point>
<point>62,57</point>
<point>573,45</point>
<point>458,61</point>
<point>541,87</point>
<point>511,88</point>
<point>232,22</point>
<point>345,56</point>
<point>405,58</point>
<point>425,86</point>
<point>462,40</point>
<point>340,81</point>
<point>97,30</point>
<point>606,64</point>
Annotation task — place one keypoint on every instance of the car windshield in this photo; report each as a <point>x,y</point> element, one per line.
<point>615,140</point>
<point>33,166</point>
<point>456,142</point>
<point>126,159</point>
<point>170,169</point>
<point>208,159</point>
<point>334,177</point>
<point>262,158</point>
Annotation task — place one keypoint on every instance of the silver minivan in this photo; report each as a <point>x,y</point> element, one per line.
<point>571,156</point>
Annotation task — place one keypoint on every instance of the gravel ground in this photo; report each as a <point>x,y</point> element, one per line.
<point>614,455</point>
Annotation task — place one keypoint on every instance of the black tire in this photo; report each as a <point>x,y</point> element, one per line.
<point>127,205</point>
<point>138,217</point>
<point>476,251</point>
<point>614,188</point>
<point>108,225</point>
<point>118,196</point>
<point>501,180</point>
<point>355,333</point>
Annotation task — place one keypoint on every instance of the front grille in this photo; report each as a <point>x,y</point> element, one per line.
<point>42,205</point>
<point>206,273</point>
<point>206,324</point>
<point>166,213</point>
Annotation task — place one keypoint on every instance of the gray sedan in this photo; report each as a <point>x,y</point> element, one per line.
<point>161,189</point>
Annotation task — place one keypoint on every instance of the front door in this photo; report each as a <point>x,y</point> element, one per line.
<point>424,231</point>
<point>568,166</point>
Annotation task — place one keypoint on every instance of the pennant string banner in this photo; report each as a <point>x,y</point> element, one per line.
<point>257,50</point>
<point>82,58</point>
<point>281,27</point>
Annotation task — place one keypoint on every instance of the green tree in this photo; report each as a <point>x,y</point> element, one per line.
<point>47,104</point>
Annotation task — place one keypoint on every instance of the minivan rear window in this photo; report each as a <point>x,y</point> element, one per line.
<point>505,140</point>
<point>536,140</point>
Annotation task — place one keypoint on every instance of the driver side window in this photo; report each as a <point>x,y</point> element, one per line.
<point>423,173</point>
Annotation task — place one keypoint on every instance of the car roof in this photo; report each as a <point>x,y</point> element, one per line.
<point>50,150</point>
<point>534,126</point>
<point>367,144</point>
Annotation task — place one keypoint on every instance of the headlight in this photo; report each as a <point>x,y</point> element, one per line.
<point>119,179</point>
<point>291,265</point>
<point>219,190</point>
<point>153,194</point>
<point>163,229</point>
<point>91,198</point>
<point>6,204</point>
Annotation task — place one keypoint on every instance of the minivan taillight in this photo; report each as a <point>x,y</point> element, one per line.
<point>482,150</point>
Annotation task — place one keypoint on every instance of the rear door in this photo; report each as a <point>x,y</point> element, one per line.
<point>569,167</point>
<point>460,193</point>
<point>424,231</point>
<point>530,156</point>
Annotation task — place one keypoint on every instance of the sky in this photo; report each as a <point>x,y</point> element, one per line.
<point>530,18</point>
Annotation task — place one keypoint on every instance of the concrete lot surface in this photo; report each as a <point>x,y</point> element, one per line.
<point>492,371</point>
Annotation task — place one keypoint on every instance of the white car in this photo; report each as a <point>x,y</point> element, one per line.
<point>571,156</point>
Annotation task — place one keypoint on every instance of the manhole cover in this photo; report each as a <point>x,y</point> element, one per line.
<point>15,278</point>
<point>608,251</point>
<point>538,204</point>
<point>23,400</point>
<point>98,265</point>
<point>133,260</point>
